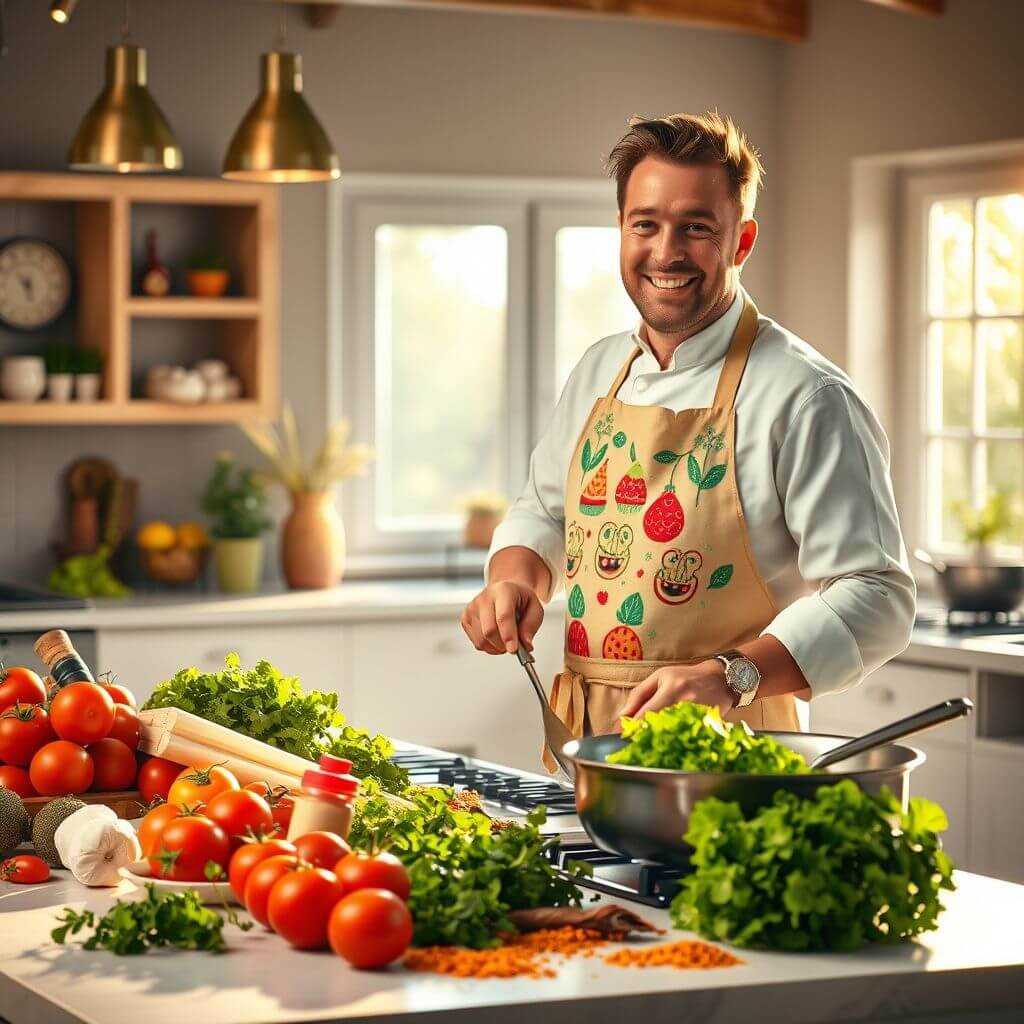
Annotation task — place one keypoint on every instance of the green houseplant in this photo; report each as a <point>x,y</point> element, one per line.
<point>995,519</point>
<point>60,364</point>
<point>207,274</point>
<point>236,502</point>
<point>87,365</point>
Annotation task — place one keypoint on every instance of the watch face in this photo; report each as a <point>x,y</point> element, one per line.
<point>743,675</point>
<point>35,284</point>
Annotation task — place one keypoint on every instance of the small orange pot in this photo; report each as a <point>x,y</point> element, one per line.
<point>208,284</point>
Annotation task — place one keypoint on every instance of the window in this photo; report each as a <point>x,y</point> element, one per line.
<point>970,334</point>
<point>464,305</point>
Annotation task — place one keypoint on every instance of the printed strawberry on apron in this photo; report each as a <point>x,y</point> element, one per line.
<point>683,589</point>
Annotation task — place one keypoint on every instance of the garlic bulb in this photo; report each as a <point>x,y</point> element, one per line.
<point>65,837</point>
<point>99,848</point>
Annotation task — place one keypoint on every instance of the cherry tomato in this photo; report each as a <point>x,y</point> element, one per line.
<point>17,781</point>
<point>126,727</point>
<point>61,767</point>
<point>300,904</point>
<point>153,824</point>
<point>248,855</point>
<point>24,728</point>
<point>240,812</point>
<point>82,713</point>
<point>186,845</point>
<point>114,763</point>
<point>261,880</point>
<point>24,869</point>
<point>118,694</point>
<point>370,928</point>
<point>321,849</point>
<point>373,871</point>
<point>20,684</point>
<point>156,776</point>
<point>201,785</point>
<point>280,800</point>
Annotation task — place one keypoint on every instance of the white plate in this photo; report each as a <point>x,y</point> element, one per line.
<point>209,892</point>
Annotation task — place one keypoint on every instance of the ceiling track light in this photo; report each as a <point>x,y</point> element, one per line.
<point>61,11</point>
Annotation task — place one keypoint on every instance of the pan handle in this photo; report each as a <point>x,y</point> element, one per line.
<point>948,710</point>
<point>923,556</point>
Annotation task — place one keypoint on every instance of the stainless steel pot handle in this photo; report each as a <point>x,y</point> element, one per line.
<point>956,707</point>
<point>936,563</point>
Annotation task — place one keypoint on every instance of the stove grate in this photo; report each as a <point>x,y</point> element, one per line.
<point>651,884</point>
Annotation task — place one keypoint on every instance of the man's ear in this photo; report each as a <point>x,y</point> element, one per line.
<point>745,245</point>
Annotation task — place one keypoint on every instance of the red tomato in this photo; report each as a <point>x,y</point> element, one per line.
<point>126,727</point>
<point>186,845</point>
<point>201,785</point>
<point>281,803</point>
<point>20,684</point>
<point>370,928</point>
<point>82,713</point>
<point>153,824</point>
<point>156,776</point>
<point>240,812</point>
<point>261,880</point>
<point>115,765</point>
<point>321,849</point>
<point>376,871</point>
<point>24,869</point>
<point>61,767</point>
<point>17,781</point>
<point>248,855</point>
<point>118,694</point>
<point>24,728</point>
<point>300,904</point>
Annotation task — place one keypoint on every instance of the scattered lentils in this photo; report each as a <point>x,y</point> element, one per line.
<point>688,953</point>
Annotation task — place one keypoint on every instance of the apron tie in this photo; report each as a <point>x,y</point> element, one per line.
<point>569,702</point>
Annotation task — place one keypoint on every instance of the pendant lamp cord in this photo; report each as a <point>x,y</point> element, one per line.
<point>125,31</point>
<point>279,44</point>
<point>3,28</point>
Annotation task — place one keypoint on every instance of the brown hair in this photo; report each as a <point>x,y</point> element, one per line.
<point>690,139</point>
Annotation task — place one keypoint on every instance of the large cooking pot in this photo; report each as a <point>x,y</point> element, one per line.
<point>977,585</point>
<point>643,812</point>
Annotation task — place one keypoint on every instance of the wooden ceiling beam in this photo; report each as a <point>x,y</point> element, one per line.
<point>934,8</point>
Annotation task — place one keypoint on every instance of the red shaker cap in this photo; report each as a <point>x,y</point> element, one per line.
<point>339,765</point>
<point>332,777</point>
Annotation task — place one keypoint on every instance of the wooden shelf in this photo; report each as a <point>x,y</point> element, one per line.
<point>136,411</point>
<point>187,307</point>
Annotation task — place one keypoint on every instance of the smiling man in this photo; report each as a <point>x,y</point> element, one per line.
<point>713,491</point>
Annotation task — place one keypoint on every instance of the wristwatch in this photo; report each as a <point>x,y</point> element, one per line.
<point>741,676</point>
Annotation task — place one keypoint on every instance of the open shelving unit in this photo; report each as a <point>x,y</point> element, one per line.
<point>109,217</point>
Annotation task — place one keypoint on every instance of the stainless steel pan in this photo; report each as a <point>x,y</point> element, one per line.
<point>976,586</point>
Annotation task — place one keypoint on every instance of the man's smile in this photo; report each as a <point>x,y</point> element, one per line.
<point>672,284</point>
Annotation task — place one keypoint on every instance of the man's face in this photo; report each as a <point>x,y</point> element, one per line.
<point>682,242</point>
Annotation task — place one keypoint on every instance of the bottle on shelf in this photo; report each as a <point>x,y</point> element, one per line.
<point>63,663</point>
<point>156,278</point>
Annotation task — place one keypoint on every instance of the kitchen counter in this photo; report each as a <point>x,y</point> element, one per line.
<point>974,961</point>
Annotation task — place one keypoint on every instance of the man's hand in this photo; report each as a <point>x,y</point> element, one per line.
<point>490,619</point>
<point>703,684</point>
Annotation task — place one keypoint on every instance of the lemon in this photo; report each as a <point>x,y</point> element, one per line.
<point>192,535</point>
<point>156,536</point>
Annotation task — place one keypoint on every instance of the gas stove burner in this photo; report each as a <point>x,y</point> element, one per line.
<point>969,623</point>
<point>640,881</point>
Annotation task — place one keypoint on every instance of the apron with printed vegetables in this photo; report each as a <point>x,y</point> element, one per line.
<point>658,564</point>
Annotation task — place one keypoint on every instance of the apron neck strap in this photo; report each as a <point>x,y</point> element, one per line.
<point>620,378</point>
<point>736,358</point>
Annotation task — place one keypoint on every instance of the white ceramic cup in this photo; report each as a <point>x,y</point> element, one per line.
<point>23,378</point>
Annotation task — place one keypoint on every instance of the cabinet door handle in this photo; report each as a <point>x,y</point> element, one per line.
<point>880,694</point>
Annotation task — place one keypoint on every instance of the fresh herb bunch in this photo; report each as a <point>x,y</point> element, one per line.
<point>235,500</point>
<point>465,879</point>
<point>833,873</point>
<point>159,919</point>
<point>262,703</point>
<point>690,737</point>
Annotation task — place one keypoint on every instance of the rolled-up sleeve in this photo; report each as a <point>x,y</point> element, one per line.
<point>832,474</point>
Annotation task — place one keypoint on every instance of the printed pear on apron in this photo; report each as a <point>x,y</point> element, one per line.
<point>662,572</point>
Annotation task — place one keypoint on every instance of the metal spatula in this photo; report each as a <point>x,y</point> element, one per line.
<point>555,730</point>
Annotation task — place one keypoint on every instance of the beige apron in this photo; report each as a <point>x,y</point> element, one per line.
<point>661,571</point>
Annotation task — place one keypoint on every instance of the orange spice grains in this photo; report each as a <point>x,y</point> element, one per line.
<point>566,941</point>
<point>685,954</point>
<point>503,962</point>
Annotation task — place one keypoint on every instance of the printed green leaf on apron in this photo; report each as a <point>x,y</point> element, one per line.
<point>622,643</point>
<point>577,642</point>
<point>619,439</point>
<point>631,493</point>
<point>710,441</point>
<point>720,577</point>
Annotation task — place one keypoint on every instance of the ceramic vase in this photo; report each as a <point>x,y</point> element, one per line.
<point>23,378</point>
<point>313,541</point>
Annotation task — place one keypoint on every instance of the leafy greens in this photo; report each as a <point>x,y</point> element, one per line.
<point>262,703</point>
<point>833,873</point>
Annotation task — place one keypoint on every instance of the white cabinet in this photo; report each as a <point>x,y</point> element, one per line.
<point>997,810</point>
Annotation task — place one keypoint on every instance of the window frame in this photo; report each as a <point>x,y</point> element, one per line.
<point>920,190</point>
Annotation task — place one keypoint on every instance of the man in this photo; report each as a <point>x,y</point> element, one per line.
<point>750,551</point>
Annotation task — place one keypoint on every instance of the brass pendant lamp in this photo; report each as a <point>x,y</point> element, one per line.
<point>124,130</point>
<point>280,138</point>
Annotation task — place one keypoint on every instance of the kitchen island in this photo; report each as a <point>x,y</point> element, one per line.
<point>971,969</point>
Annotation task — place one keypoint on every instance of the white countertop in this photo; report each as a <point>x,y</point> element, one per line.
<point>974,960</point>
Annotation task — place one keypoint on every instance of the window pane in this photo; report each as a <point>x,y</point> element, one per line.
<point>590,302</point>
<point>1001,254</point>
<point>951,467</point>
<point>950,252</point>
<point>440,335</point>
<point>1004,371</point>
<point>1004,461</point>
<point>949,344</point>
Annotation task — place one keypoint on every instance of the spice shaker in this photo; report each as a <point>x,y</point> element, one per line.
<point>325,801</point>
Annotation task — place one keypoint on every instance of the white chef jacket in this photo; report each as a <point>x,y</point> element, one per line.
<point>812,469</point>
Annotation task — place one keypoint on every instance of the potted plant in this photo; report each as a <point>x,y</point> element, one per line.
<point>484,510</point>
<point>236,502</point>
<point>207,274</point>
<point>313,537</point>
<point>59,367</point>
<point>983,525</point>
<point>87,365</point>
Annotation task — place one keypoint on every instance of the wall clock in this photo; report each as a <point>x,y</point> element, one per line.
<point>35,284</point>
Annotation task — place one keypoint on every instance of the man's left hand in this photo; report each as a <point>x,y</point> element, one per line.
<point>703,684</point>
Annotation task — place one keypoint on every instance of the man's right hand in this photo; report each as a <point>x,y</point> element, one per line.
<point>490,619</point>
